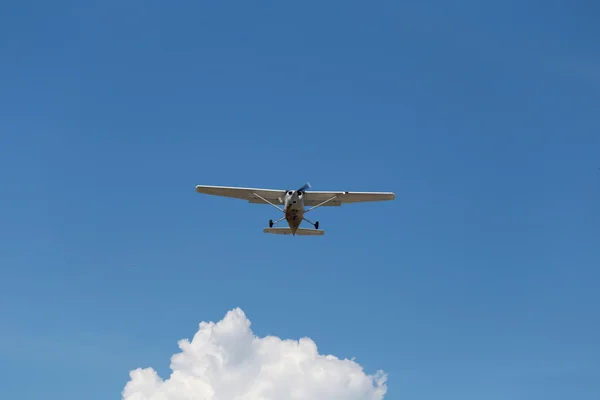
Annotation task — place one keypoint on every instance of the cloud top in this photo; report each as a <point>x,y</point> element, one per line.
<point>226,361</point>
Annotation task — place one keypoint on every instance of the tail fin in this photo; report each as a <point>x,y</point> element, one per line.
<point>299,232</point>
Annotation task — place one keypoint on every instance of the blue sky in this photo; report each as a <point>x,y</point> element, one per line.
<point>479,281</point>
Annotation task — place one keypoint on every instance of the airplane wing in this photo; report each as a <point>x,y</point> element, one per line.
<point>310,198</point>
<point>242,193</point>
<point>314,198</point>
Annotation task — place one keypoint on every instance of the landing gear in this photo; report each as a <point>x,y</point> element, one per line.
<point>271,222</point>
<point>294,217</point>
<point>315,224</point>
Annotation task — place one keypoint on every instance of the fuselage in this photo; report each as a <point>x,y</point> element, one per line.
<point>294,209</point>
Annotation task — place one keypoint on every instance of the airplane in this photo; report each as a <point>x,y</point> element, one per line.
<point>294,202</point>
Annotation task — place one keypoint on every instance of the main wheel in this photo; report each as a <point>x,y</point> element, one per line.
<point>317,225</point>
<point>270,223</point>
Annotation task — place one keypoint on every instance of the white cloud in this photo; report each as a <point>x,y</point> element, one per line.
<point>226,361</point>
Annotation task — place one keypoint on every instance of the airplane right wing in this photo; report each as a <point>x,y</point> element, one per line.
<point>242,193</point>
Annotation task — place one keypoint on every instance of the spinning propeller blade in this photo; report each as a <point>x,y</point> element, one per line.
<point>304,187</point>
<point>301,189</point>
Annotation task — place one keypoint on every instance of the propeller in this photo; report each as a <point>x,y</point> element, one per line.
<point>301,189</point>
<point>304,187</point>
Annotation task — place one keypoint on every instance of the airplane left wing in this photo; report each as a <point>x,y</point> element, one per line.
<point>242,193</point>
<point>316,198</point>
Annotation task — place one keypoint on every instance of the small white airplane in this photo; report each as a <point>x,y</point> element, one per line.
<point>294,202</point>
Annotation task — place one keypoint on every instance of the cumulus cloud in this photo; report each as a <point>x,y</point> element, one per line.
<point>226,361</point>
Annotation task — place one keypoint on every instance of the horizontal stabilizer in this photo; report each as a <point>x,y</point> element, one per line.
<point>299,232</point>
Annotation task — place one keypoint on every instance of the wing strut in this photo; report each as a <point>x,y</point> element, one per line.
<point>268,202</point>
<point>320,204</point>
